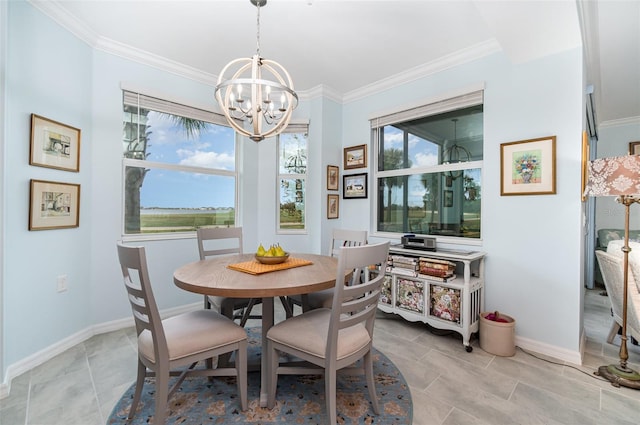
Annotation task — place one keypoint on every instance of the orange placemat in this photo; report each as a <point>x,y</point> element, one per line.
<point>255,267</point>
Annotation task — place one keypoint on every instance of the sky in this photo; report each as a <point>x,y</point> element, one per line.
<point>214,148</point>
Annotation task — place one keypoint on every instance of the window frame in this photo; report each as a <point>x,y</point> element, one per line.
<point>168,106</point>
<point>434,107</point>
<point>292,128</point>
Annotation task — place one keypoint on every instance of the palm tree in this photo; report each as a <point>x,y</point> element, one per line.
<point>393,159</point>
<point>137,148</point>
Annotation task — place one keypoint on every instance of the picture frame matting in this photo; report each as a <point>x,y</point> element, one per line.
<point>333,206</point>
<point>354,186</point>
<point>53,205</point>
<point>528,167</point>
<point>54,144</point>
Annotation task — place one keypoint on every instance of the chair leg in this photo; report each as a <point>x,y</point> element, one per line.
<point>330,393</point>
<point>241,369</point>
<point>247,312</point>
<point>142,372</point>
<point>162,394</point>
<point>226,309</point>
<point>288,307</point>
<point>368,370</point>
<point>272,377</point>
<point>615,327</point>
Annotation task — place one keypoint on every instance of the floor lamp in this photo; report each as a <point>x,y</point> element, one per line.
<point>618,176</point>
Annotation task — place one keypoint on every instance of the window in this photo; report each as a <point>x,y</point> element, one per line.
<point>428,177</point>
<point>292,178</point>
<point>179,166</point>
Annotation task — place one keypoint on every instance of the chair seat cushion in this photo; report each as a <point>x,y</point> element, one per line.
<point>192,333</point>
<point>308,333</point>
<point>233,303</point>
<point>319,299</point>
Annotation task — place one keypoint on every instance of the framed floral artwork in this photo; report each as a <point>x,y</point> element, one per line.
<point>333,206</point>
<point>54,145</point>
<point>53,205</point>
<point>528,167</point>
<point>333,173</point>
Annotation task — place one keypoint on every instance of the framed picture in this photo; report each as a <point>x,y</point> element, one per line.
<point>528,167</point>
<point>53,205</point>
<point>634,148</point>
<point>354,186</point>
<point>333,173</point>
<point>585,161</point>
<point>333,206</point>
<point>355,157</point>
<point>54,145</point>
<point>448,198</point>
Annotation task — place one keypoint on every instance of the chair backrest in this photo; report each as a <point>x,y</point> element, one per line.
<point>357,302</point>
<point>133,262</point>
<point>206,236</point>
<point>345,237</point>
<point>612,267</point>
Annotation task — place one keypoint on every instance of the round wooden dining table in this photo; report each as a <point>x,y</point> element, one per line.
<point>213,277</point>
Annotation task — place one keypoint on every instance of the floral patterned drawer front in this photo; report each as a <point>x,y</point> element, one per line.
<point>386,292</point>
<point>445,303</point>
<point>410,295</point>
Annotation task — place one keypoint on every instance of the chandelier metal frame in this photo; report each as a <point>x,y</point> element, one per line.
<point>260,107</point>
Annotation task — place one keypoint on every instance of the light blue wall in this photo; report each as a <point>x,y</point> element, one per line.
<point>49,73</point>
<point>523,235</point>
<point>52,73</point>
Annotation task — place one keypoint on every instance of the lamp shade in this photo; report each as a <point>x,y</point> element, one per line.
<point>614,176</point>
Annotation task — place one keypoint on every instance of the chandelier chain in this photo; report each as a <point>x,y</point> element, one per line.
<point>258,29</point>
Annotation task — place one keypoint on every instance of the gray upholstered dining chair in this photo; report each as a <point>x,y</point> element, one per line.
<point>166,346</point>
<point>332,339</point>
<point>612,267</point>
<point>216,241</point>
<point>340,238</point>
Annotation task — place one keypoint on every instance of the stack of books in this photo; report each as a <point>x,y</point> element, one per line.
<point>434,269</point>
<point>405,266</point>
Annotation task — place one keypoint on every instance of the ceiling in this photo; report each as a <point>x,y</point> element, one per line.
<point>347,48</point>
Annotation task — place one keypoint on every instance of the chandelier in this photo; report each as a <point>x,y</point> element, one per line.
<point>259,91</point>
<point>455,153</point>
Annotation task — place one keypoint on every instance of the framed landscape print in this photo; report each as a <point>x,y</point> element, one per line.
<point>354,186</point>
<point>355,157</point>
<point>54,145</point>
<point>528,167</point>
<point>53,205</point>
<point>333,173</point>
<point>333,206</point>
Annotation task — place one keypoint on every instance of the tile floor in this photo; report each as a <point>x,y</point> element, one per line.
<point>448,385</point>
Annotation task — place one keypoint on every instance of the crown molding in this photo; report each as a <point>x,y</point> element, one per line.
<point>128,52</point>
<point>622,121</point>
<point>321,90</point>
<point>86,34</point>
<point>60,15</point>
<point>460,57</point>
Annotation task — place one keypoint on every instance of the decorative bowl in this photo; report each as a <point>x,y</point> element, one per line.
<point>273,260</point>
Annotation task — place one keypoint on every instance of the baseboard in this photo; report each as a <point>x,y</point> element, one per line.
<point>570,356</point>
<point>63,345</point>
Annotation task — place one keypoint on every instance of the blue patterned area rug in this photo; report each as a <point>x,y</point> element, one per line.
<point>300,399</point>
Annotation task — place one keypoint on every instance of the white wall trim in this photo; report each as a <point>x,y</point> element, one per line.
<point>86,34</point>
<point>42,356</point>
<point>570,356</point>
<point>446,62</point>
<point>622,121</point>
